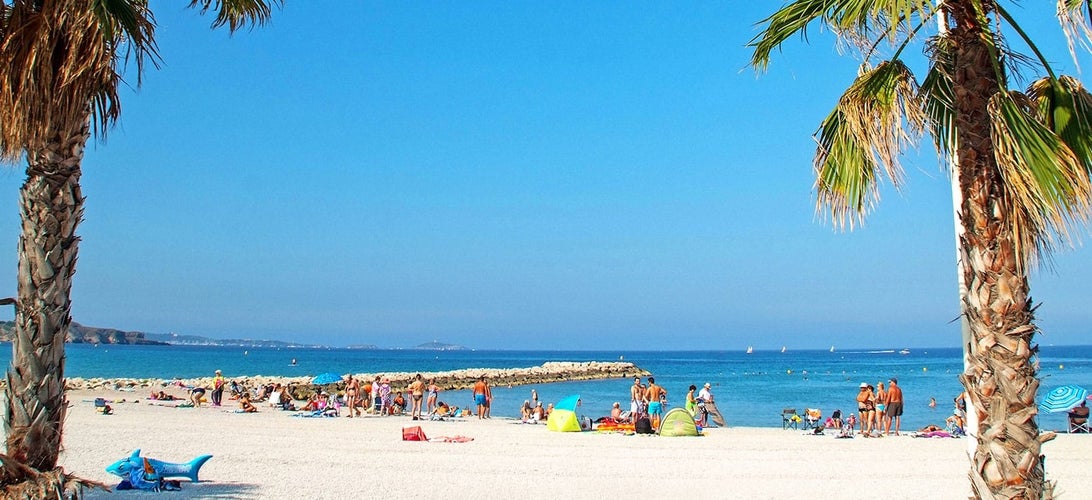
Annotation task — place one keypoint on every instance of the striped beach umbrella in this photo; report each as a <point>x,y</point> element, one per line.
<point>1063,398</point>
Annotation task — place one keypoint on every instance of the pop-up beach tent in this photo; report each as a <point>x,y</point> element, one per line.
<point>678,422</point>
<point>563,417</point>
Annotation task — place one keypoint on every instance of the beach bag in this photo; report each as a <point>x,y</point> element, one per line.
<point>413,434</point>
<point>643,426</point>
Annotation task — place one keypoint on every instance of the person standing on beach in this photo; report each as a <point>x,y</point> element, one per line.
<point>481,391</point>
<point>352,396</point>
<point>691,402</point>
<point>417,394</point>
<point>705,403</point>
<point>433,395</point>
<point>894,407</point>
<point>865,407</point>
<point>377,404</point>
<point>655,395</point>
<point>636,397</point>
<point>217,388</point>
<point>881,408</point>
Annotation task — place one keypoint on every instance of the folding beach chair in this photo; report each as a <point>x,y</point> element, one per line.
<point>789,419</point>
<point>812,417</point>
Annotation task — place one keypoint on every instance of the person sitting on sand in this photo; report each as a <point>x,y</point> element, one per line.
<point>246,405</point>
<point>525,411</point>
<point>398,404</point>
<point>1078,417</point>
<point>616,412</point>
<point>312,403</point>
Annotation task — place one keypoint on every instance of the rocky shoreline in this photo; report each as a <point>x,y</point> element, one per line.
<point>554,371</point>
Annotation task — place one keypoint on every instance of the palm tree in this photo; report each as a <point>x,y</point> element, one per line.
<point>1021,163</point>
<point>59,65</point>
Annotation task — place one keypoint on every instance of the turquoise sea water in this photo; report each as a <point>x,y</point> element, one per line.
<point>751,389</point>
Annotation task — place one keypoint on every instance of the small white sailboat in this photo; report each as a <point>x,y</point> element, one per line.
<point>750,349</point>
<point>782,349</point>
<point>831,348</point>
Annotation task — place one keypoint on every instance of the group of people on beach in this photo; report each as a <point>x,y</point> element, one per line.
<point>879,408</point>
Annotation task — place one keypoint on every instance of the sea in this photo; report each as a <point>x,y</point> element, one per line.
<point>750,389</point>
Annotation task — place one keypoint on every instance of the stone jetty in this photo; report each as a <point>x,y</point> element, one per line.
<point>554,371</point>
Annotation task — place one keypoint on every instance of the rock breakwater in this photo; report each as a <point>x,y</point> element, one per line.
<point>554,371</point>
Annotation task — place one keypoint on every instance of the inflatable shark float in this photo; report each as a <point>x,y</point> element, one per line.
<point>165,470</point>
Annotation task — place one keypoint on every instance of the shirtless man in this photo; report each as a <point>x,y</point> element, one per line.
<point>894,407</point>
<point>636,396</point>
<point>655,395</point>
<point>352,396</point>
<point>481,396</point>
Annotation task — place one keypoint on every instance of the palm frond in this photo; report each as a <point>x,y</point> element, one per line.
<point>1074,17</point>
<point>877,117</point>
<point>938,98</point>
<point>1045,181</point>
<point>236,14</point>
<point>849,18</point>
<point>56,56</point>
<point>845,173</point>
<point>1065,106</point>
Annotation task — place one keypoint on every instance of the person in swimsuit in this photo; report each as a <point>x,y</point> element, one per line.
<point>636,396</point>
<point>866,405</point>
<point>433,395</point>
<point>881,407</point>
<point>417,393</point>
<point>196,395</point>
<point>656,396</point>
<point>894,406</point>
<point>481,390</point>
<point>352,396</point>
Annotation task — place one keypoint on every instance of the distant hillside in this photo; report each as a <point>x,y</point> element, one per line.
<point>79,334</point>
<point>176,339</point>
<point>440,346</point>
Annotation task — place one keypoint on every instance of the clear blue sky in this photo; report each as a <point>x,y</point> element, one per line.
<point>508,175</point>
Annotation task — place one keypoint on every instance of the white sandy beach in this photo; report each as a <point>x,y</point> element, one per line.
<point>272,455</point>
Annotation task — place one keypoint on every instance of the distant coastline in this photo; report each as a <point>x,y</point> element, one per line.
<point>79,334</point>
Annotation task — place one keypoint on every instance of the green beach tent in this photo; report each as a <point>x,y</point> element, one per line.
<point>563,417</point>
<point>678,422</point>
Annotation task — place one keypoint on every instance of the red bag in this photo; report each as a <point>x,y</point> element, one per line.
<point>413,434</point>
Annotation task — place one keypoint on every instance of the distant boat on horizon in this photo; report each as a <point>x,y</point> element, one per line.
<point>782,349</point>
<point>904,351</point>
<point>831,348</point>
<point>750,349</point>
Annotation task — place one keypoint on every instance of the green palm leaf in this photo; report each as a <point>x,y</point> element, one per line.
<point>854,19</point>
<point>878,116</point>
<point>1045,180</point>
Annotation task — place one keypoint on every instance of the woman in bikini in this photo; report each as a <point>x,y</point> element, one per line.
<point>417,393</point>
<point>881,407</point>
<point>866,405</point>
<point>433,395</point>
<point>352,396</point>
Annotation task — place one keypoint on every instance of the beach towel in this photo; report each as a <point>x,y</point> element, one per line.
<point>451,439</point>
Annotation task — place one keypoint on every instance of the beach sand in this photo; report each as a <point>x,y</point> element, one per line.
<point>271,455</point>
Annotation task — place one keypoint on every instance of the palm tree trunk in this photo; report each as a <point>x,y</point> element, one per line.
<point>52,207</point>
<point>1001,380</point>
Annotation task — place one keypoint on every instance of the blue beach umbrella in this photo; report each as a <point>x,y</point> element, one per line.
<point>326,378</point>
<point>1063,398</point>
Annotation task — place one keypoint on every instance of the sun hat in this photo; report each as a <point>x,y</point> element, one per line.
<point>864,385</point>
<point>217,371</point>
<point>707,384</point>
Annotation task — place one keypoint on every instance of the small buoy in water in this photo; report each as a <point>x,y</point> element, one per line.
<point>788,372</point>
<point>245,353</point>
<point>924,369</point>
<point>1061,367</point>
